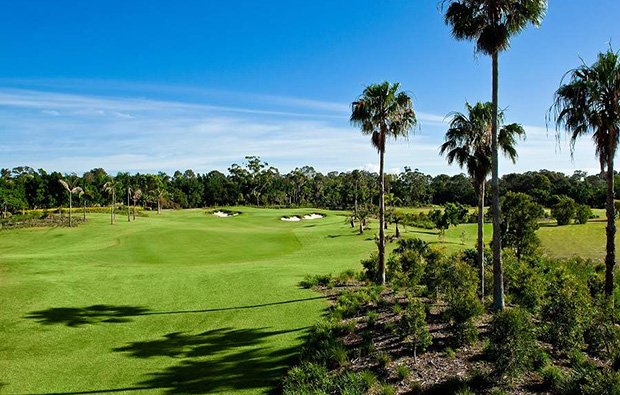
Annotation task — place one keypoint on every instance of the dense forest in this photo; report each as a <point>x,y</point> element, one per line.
<point>254,182</point>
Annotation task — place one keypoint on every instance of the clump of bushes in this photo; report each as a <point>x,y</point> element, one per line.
<point>565,311</point>
<point>512,342</point>
<point>312,378</point>
<point>459,283</point>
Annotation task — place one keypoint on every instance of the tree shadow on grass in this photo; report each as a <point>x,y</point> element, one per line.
<point>78,316</point>
<point>216,360</point>
<point>90,315</point>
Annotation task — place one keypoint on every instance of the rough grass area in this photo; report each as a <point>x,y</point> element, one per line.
<point>180,302</point>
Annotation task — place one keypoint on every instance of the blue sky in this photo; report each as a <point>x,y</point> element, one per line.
<point>161,85</point>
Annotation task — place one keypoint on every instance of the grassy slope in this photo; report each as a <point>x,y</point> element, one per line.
<point>178,303</point>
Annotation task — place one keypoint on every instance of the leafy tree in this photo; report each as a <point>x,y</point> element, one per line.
<point>582,213</point>
<point>519,223</point>
<point>468,143</point>
<point>588,104</point>
<point>382,111</point>
<point>491,23</point>
<point>71,189</point>
<point>452,215</point>
<point>563,211</point>
<point>412,327</point>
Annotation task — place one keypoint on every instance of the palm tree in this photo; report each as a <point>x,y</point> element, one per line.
<point>110,188</point>
<point>491,23</point>
<point>71,189</point>
<point>128,204</point>
<point>383,112</point>
<point>136,196</point>
<point>468,143</point>
<point>590,104</point>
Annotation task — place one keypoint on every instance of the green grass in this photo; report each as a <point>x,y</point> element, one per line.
<point>181,302</point>
<point>184,302</point>
<point>586,241</point>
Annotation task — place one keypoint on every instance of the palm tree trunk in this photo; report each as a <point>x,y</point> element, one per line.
<point>481,237</point>
<point>498,275</point>
<point>128,207</point>
<point>610,257</point>
<point>70,223</point>
<point>113,206</point>
<point>158,206</point>
<point>134,210</point>
<point>381,242</point>
<point>397,232</point>
<point>84,211</point>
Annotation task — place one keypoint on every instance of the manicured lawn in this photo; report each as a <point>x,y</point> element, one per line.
<point>181,302</point>
<point>586,241</point>
<point>184,302</point>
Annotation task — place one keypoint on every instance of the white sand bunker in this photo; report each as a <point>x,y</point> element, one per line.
<point>222,214</point>
<point>313,216</point>
<point>307,216</point>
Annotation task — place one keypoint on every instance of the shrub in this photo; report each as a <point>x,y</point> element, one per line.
<point>565,311</point>
<point>402,371</point>
<point>317,280</point>
<point>383,359</point>
<point>582,214</point>
<point>371,267</point>
<point>351,302</point>
<point>459,280</point>
<point>513,342</point>
<point>324,346</point>
<point>306,378</point>
<point>552,377</point>
<point>588,379</point>
<point>564,210</point>
<point>524,282</point>
<point>387,389</point>
<point>345,277</point>
<point>412,327</point>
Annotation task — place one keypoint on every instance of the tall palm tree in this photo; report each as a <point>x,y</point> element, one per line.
<point>71,189</point>
<point>589,103</point>
<point>128,204</point>
<point>110,188</point>
<point>491,23</point>
<point>468,143</point>
<point>136,196</point>
<point>382,111</point>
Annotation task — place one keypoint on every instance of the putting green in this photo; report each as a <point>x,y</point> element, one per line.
<point>182,302</point>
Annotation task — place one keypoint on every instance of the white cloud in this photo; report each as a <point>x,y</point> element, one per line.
<point>140,134</point>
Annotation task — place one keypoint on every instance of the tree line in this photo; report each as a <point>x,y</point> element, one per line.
<point>254,182</point>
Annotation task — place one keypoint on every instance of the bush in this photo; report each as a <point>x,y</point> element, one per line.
<point>412,327</point>
<point>565,311</point>
<point>588,379</point>
<point>552,377</point>
<point>402,371</point>
<point>513,342</point>
<point>306,378</point>
<point>524,282</point>
<point>563,211</point>
<point>317,280</point>
<point>582,214</point>
<point>312,379</point>
<point>383,359</point>
<point>323,345</point>
<point>459,280</point>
